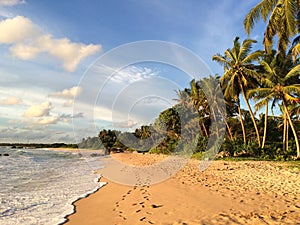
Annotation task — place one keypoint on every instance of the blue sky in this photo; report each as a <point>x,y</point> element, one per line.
<point>47,47</point>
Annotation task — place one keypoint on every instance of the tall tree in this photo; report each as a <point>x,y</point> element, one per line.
<point>282,87</point>
<point>240,75</point>
<point>217,107</point>
<point>199,101</point>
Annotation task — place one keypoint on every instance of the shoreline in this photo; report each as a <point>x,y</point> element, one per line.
<point>82,197</point>
<point>244,192</point>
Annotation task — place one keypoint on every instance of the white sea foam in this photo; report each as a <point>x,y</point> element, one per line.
<point>39,187</point>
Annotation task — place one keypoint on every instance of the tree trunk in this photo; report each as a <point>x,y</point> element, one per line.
<point>251,114</point>
<point>293,129</point>
<point>215,118</point>
<point>287,135</point>
<point>284,136</point>
<point>205,130</point>
<point>242,124</point>
<point>227,125</point>
<point>266,125</point>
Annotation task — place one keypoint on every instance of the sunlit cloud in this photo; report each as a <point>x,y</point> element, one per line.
<point>68,93</point>
<point>27,41</point>
<point>17,29</point>
<point>11,101</point>
<point>132,74</point>
<point>38,110</point>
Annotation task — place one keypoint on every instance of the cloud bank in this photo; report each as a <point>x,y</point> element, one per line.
<point>27,41</point>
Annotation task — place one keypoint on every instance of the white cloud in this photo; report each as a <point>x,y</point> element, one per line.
<point>27,41</point>
<point>11,101</point>
<point>39,110</point>
<point>47,120</point>
<point>68,93</point>
<point>132,74</point>
<point>17,29</point>
<point>24,51</point>
<point>11,2</point>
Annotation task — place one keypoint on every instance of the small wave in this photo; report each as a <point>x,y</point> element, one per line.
<point>40,187</point>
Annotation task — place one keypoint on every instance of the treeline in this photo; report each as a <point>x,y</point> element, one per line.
<point>39,145</point>
<point>165,134</point>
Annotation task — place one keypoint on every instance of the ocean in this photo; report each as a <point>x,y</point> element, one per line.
<point>38,186</point>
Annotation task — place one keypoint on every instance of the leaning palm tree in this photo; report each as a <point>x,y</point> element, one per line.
<point>268,59</point>
<point>281,86</point>
<point>282,21</point>
<point>240,75</point>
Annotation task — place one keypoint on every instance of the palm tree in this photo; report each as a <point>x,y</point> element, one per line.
<point>267,58</point>
<point>240,75</point>
<point>199,101</point>
<point>282,20</point>
<point>281,86</point>
<point>214,95</point>
<point>183,97</point>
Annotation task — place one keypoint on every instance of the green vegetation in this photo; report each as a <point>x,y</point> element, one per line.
<point>269,77</point>
<point>39,145</point>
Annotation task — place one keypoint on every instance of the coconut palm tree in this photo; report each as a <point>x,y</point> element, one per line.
<point>199,101</point>
<point>282,87</point>
<point>267,58</point>
<point>282,21</point>
<point>240,75</point>
<point>215,98</point>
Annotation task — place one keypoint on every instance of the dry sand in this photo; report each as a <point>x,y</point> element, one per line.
<point>225,193</point>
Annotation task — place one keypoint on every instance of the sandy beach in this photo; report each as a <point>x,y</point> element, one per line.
<point>225,193</point>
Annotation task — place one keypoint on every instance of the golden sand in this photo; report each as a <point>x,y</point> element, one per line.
<point>225,193</point>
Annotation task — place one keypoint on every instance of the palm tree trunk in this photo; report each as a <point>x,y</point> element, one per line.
<point>215,118</point>
<point>266,124</point>
<point>242,124</point>
<point>284,132</point>
<point>293,129</point>
<point>287,135</point>
<point>204,128</point>
<point>227,124</point>
<point>251,114</point>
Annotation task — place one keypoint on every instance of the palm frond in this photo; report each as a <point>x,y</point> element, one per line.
<point>221,60</point>
<point>272,28</point>
<point>263,102</point>
<point>245,48</point>
<point>254,56</point>
<point>231,55</point>
<point>290,10</point>
<point>296,50</point>
<point>260,11</point>
<point>294,72</point>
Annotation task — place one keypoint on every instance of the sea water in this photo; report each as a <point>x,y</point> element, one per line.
<point>38,186</point>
